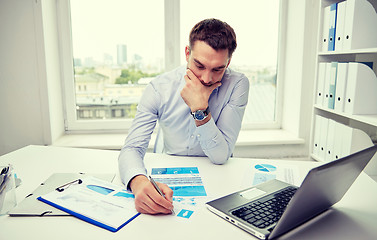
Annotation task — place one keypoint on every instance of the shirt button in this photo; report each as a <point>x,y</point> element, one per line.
<point>198,135</point>
<point>192,136</point>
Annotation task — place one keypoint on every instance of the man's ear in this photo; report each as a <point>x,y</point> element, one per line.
<point>187,53</point>
<point>228,62</point>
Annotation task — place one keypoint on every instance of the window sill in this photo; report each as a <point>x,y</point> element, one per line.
<point>267,137</point>
<point>112,141</point>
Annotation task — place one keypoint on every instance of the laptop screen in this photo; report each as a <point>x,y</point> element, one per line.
<point>323,187</point>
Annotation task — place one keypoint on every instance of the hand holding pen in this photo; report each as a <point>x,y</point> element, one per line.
<point>158,190</point>
<point>148,199</point>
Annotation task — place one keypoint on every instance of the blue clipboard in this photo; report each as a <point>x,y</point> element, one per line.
<point>87,219</point>
<point>95,201</point>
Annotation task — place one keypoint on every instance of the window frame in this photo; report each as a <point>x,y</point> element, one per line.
<point>172,60</point>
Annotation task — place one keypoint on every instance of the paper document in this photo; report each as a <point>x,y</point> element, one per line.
<point>187,185</point>
<point>262,172</point>
<point>96,201</point>
<point>30,206</point>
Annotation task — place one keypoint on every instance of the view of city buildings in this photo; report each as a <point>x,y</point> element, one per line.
<point>111,88</point>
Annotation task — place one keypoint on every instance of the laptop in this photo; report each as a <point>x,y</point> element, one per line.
<point>273,208</point>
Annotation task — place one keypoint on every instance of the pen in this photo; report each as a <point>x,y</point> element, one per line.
<point>158,189</point>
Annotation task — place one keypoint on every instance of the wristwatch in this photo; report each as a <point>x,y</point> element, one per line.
<point>200,114</point>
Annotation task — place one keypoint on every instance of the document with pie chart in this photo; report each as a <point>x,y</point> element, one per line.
<point>263,172</point>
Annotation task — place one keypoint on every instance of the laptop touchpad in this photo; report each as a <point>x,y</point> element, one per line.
<point>252,193</point>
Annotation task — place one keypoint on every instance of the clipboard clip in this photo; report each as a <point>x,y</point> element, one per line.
<point>65,186</point>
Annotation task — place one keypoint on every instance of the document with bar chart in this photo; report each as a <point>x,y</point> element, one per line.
<point>187,185</point>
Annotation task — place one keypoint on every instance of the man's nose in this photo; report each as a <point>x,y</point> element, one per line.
<point>206,77</point>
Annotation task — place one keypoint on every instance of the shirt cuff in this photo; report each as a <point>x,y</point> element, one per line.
<point>207,135</point>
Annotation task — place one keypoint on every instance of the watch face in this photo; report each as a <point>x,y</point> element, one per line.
<point>199,115</point>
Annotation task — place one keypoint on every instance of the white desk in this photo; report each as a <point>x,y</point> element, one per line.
<point>352,218</point>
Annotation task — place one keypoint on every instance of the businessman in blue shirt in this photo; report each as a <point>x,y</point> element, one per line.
<point>199,108</point>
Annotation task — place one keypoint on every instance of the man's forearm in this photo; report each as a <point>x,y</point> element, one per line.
<point>130,165</point>
<point>213,142</point>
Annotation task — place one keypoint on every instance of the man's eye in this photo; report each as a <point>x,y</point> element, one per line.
<point>200,67</point>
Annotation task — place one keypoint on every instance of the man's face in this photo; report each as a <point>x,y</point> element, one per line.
<point>206,63</point>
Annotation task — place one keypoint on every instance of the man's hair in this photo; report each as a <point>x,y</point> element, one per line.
<point>217,34</point>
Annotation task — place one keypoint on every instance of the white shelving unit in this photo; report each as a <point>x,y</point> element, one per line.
<point>367,123</point>
<point>363,119</point>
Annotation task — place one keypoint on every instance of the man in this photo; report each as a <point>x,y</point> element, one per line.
<point>199,109</point>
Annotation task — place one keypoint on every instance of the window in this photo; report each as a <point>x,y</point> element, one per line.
<point>256,24</point>
<point>117,46</point>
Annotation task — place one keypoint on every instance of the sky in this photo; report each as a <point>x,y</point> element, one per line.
<point>99,25</point>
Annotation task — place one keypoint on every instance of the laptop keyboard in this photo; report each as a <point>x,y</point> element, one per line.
<point>266,211</point>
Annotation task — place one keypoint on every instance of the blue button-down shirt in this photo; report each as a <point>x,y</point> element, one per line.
<point>162,102</point>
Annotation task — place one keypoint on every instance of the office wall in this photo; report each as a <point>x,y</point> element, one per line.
<point>24,79</point>
<point>51,69</point>
<point>299,68</point>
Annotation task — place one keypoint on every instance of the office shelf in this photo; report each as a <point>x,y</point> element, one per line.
<point>349,52</point>
<point>366,51</point>
<point>367,119</point>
